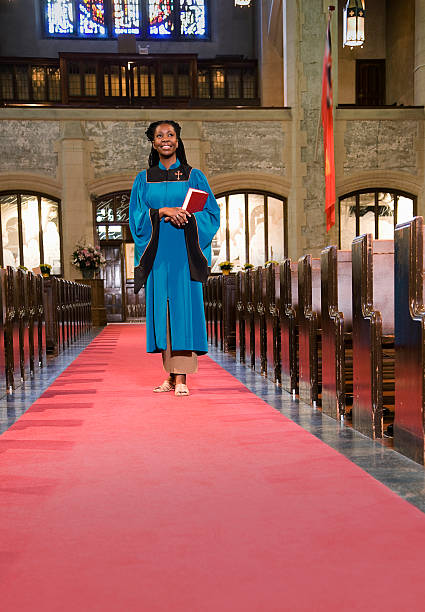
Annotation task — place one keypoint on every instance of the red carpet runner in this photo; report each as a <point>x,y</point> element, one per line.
<point>115,498</point>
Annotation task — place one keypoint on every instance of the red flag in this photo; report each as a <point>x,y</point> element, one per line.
<point>328,131</point>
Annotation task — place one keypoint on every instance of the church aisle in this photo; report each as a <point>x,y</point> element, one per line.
<point>114,498</point>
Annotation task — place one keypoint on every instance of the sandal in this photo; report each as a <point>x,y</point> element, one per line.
<point>164,387</point>
<point>181,389</point>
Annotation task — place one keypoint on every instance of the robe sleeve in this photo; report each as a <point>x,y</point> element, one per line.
<point>140,217</point>
<point>208,219</point>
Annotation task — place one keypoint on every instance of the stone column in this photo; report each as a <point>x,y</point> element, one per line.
<point>419,68</point>
<point>77,213</point>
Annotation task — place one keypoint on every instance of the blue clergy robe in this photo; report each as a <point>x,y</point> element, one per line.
<point>169,278</point>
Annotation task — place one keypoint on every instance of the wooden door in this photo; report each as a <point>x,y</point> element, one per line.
<point>112,274</point>
<point>370,82</point>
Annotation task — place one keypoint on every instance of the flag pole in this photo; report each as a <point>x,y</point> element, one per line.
<point>331,9</point>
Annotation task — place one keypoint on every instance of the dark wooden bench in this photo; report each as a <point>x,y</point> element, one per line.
<point>336,325</point>
<point>309,337</point>
<point>240,317</point>
<point>288,314</point>
<point>249,319</point>
<point>272,322</point>
<point>409,426</point>
<point>373,333</point>
<point>3,385</point>
<point>260,341</point>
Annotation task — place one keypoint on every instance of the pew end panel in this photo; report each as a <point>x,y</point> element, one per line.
<point>288,319</point>
<point>249,319</point>
<point>409,427</point>
<point>272,326</point>
<point>260,349</point>
<point>240,317</point>
<point>336,317</point>
<point>3,377</point>
<point>309,291</point>
<point>373,350</point>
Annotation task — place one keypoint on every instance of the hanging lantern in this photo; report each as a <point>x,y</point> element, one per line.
<point>243,3</point>
<point>353,23</point>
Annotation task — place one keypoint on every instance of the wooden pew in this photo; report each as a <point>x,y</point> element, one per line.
<point>309,329</point>
<point>288,318</point>
<point>240,317</point>
<point>22,305</point>
<point>40,321</point>
<point>373,333</point>
<point>3,385</point>
<point>260,341</point>
<point>12,324</point>
<point>249,318</point>
<point>272,322</point>
<point>32,322</point>
<point>409,272</point>
<point>228,284</point>
<point>336,323</point>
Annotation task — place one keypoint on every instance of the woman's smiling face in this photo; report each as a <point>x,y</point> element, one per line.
<point>165,140</point>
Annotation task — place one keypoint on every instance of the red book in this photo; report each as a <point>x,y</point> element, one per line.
<point>195,200</point>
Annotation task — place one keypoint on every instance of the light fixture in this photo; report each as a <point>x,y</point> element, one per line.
<point>243,3</point>
<point>353,23</point>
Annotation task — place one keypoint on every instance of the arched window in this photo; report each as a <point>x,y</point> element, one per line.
<point>253,229</point>
<point>30,230</point>
<point>373,211</point>
<point>146,19</point>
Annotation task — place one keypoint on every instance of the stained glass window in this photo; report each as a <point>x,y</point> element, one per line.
<point>160,17</point>
<point>91,18</point>
<point>126,17</point>
<point>192,18</point>
<point>169,19</point>
<point>60,17</point>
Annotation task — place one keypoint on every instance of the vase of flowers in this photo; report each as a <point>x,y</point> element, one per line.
<point>88,259</point>
<point>225,267</point>
<point>45,270</point>
<point>248,266</point>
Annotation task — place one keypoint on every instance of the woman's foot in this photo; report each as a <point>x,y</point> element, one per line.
<point>181,387</point>
<point>167,385</point>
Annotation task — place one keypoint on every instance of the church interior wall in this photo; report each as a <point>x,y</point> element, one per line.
<point>233,33</point>
<point>82,152</point>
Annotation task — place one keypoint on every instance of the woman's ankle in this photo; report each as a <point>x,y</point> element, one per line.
<point>180,379</point>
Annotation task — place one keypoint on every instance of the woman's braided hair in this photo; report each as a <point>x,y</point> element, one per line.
<point>154,155</point>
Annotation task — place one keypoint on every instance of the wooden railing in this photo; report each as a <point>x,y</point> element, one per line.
<point>79,79</point>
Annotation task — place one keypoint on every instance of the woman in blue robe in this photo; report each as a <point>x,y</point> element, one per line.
<point>172,254</point>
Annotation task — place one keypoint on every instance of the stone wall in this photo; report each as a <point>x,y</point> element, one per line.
<point>381,145</point>
<point>244,147</point>
<point>117,146</point>
<point>29,146</point>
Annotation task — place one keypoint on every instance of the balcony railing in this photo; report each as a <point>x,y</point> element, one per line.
<point>79,79</point>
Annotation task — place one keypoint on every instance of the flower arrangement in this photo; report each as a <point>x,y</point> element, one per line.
<point>45,270</point>
<point>87,257</point>
<point>225,266</point>
<point>248,266</point>
<point>270,262</point>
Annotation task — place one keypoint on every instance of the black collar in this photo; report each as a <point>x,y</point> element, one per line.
<point>156,175</point>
